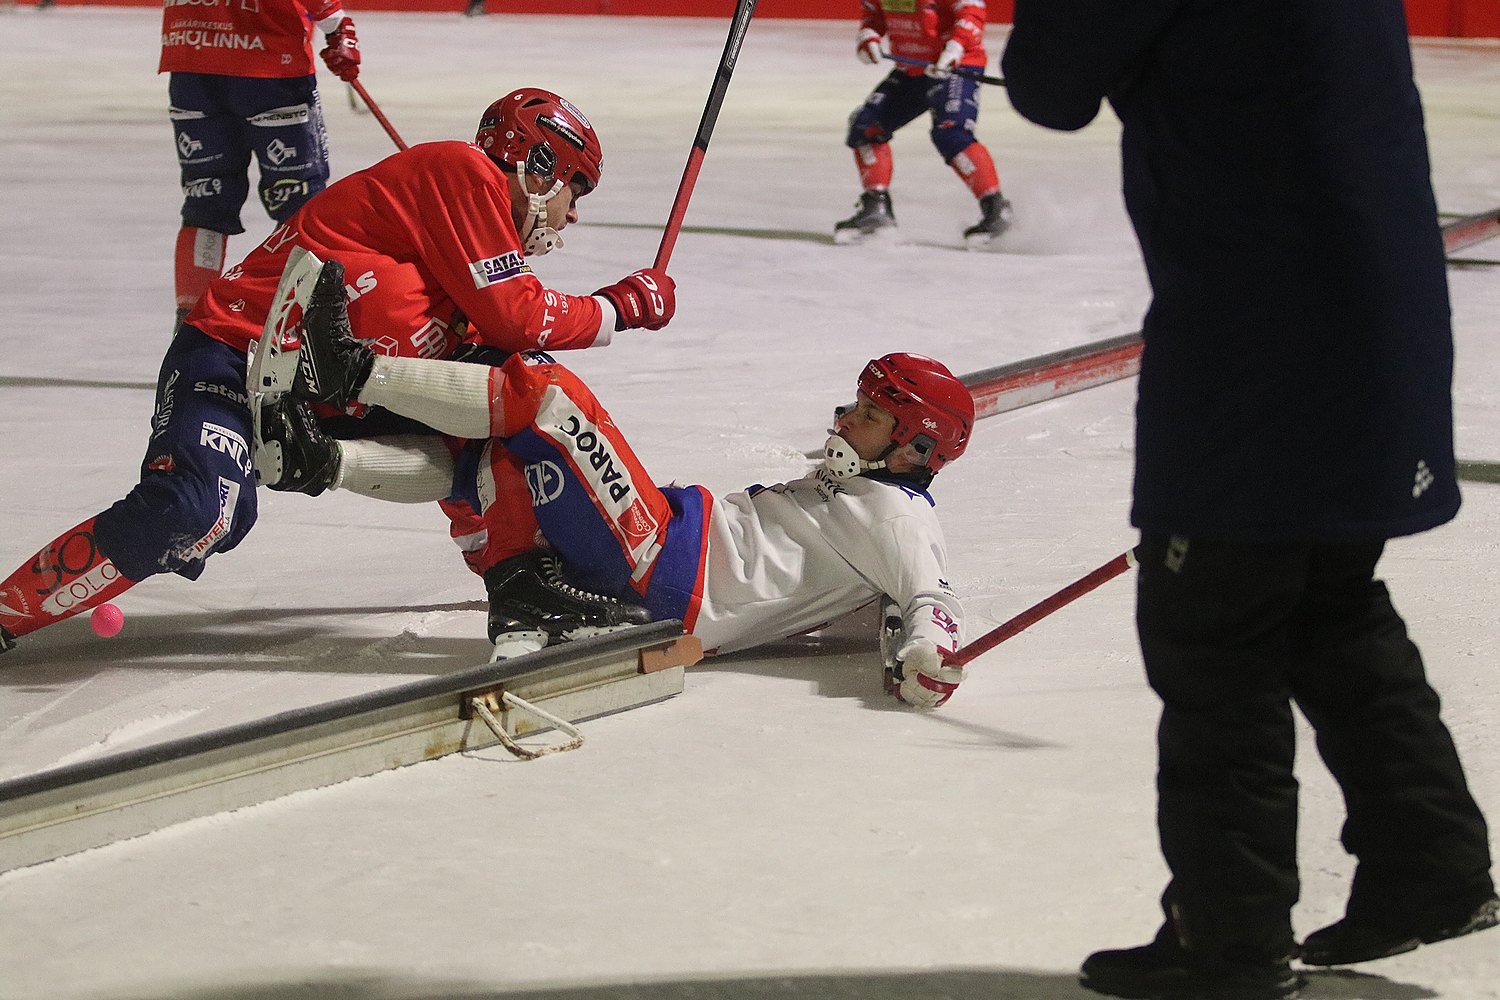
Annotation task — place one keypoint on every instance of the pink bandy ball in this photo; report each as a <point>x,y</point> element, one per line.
<point>107,620</point>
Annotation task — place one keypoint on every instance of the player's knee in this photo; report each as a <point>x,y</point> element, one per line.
<point>865,130</point>
<point>213,203</point>
<point>283,197</point>
<point>951,141</point>
<point>171,522</point>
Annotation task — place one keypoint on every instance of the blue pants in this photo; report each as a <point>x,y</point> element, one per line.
<point>221,121</point>
<point>197,490</point>
<point>953,104</point>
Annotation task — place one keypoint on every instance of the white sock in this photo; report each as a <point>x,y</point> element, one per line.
<point>405,468</point>
<point>449,396</point>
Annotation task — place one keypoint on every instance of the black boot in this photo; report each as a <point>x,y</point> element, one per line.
<point>873,214</point>
<point>333,365</point>
<point>1164,970</point>
<point>532,605</point>
<point>293,454</point>
<point>7,641</point>
<point>994,219</point>
<point>1353,940</point>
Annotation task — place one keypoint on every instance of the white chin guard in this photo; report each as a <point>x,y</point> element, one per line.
<point>842,461</point>
<point>542,240</point>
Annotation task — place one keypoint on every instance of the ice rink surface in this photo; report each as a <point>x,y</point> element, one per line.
<point>781,829</point>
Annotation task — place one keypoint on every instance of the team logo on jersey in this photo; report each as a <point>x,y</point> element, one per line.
<point>294,114</point>
<point>162,463</point>
<point>203,187</point>
<point>546,482</point>
<point>229,495</point>
<point>226,442</point>
<point>497,269</point>
<point>637,524</point>
<point>279,152</point>
<point>163,415</point>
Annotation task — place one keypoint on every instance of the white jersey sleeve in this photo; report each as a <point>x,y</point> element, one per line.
<point>788,558</point>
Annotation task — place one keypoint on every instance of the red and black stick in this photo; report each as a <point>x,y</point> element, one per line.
<point>742,13</point>
<point>1042,609</point>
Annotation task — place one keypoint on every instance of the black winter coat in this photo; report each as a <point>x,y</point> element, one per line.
<point>1296,380</point>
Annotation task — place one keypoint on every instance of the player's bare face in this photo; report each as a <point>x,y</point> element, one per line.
<point>866,427</point>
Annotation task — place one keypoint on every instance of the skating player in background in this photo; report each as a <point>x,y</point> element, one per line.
<point>944,34</point>
<point>437,240</point>
<point>242,84</point>
<point>738,570</point>
<point>1295,411</point>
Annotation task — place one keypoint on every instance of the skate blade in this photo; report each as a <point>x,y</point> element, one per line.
<point>585,631</point>
<point>982,242</point>
<point>509,645</point>
<point>850,237</point>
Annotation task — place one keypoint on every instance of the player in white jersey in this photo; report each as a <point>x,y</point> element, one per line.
<point>739,569</point>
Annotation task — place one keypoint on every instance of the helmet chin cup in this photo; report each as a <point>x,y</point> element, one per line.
<point>540,237</point>
<point>842,461</point>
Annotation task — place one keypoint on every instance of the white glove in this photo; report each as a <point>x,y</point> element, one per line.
<point>927,681</point>
<point>867,46</point>
<point>952,52</point>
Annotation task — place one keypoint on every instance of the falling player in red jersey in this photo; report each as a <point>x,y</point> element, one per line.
<point>242,85</point>
<point>944,35</point>
<point>438,239</point>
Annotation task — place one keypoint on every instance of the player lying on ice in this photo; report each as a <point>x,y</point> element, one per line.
<point>738,570</point>
<point>435,239</point>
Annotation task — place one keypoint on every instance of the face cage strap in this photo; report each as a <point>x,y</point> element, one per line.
<point>539,237</point>
<point>843,462</point>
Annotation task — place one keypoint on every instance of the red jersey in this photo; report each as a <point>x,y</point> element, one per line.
<point>266,38</point>
<point>424,235</point>
<point>918,29</point>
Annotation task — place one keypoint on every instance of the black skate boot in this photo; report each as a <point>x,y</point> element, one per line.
<point>333,365</point>
<point>1352,940</point>
<point>1163,970</point>
<point>532,606</point>
<point>994,219</point>
<point>873,215</point>
<point>7,641</point>
<point>292,452</point>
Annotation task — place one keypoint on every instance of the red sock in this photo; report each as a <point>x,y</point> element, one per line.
<point>874,165</point>
<point>199,260</point>
<point>67,576</point>
<point>976,169</point>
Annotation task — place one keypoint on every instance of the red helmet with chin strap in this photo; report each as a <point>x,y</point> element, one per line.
<point>934,411</point>
<point>536,131</point>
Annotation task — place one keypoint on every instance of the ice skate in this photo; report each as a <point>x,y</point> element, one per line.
<point>1352,941</point>
<point>532,606</point>
<point>873,218</point>
<point>292,454</point>
<point>333,364</point>
<point>1163,970</point>
<point>994,219</point>
<point>7,641</point>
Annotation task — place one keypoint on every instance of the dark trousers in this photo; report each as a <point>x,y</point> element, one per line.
<point>1232,635</point>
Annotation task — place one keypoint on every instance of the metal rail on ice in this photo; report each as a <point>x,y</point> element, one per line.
<point>69,809</point>
<point>1035,380</point>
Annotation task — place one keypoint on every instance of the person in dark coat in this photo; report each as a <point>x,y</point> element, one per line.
<point>1294,413</point>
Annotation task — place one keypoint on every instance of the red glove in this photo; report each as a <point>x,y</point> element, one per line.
<point>645,299</point>
<point>342,53</point>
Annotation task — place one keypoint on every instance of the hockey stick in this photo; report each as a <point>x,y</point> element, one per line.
<point>743,11</point>
<point>968,71</point>
<point>1042,609</point>
<point>364,95</point>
